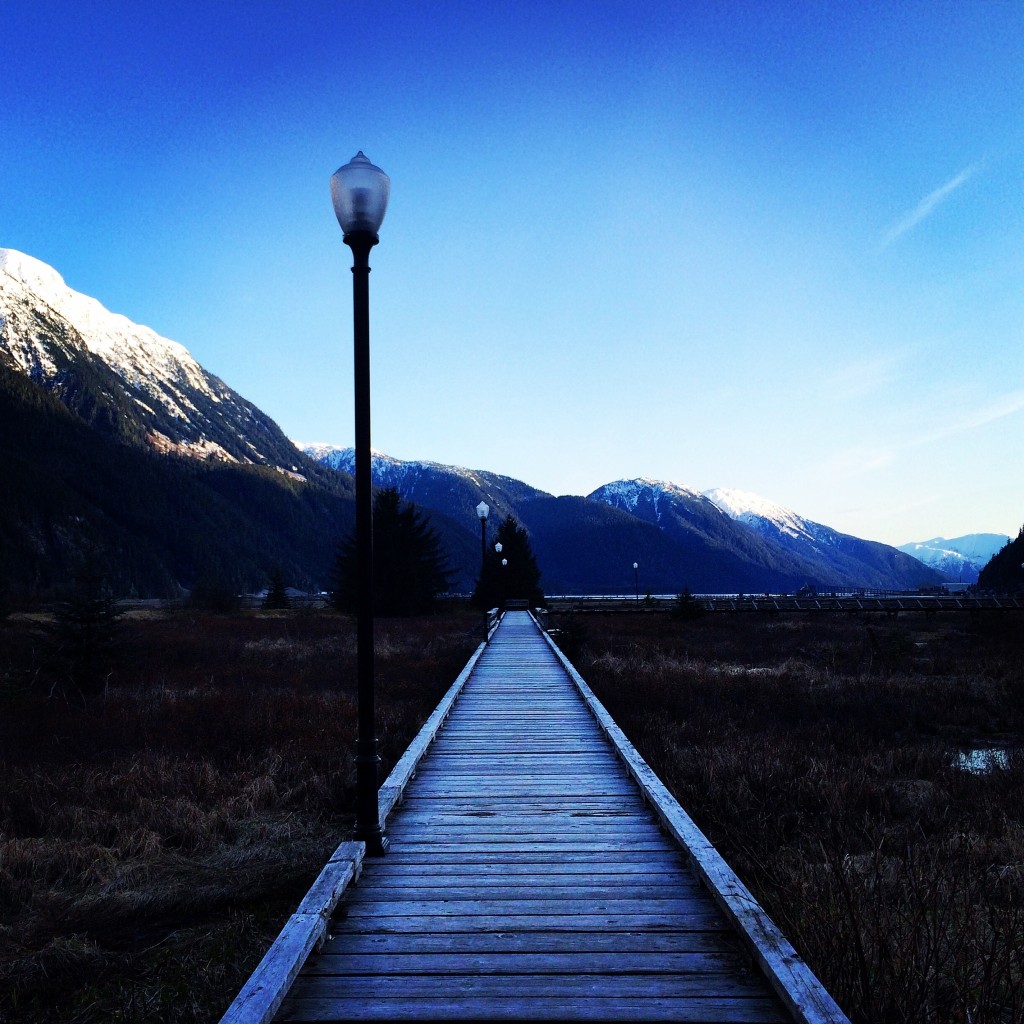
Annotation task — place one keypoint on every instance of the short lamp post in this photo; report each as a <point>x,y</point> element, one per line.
<point>483,510</point>
<point>360,192</point>
<point>636,582</point>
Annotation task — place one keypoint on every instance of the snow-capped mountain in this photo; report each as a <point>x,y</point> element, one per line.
<point>89,481</point>
<point>762,514</point>
<point>124,378</point>
<point>452,490</point>
<point>960,558</point>
<point>767,538</point>
<point>849,558</point>
<point>680,536</point>
<point>633,494</point>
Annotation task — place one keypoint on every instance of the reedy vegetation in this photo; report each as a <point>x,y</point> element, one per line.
<point>819,755</point>
<point>153,842</point>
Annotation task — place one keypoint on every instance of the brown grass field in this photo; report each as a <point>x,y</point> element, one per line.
<point>820,755</point>
<point>153,841</point>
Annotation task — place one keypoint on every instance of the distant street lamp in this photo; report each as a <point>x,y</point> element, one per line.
<point>360,193</point>
<point>497,547</point>
<point>636,582</point>
<point>483,510</point>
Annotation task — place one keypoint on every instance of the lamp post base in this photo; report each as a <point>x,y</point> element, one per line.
<point>376,845</point>
<point>368,827</point>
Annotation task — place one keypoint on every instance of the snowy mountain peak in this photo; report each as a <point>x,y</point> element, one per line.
<point>35,275</point>
<point>122,374</point>
<point>749,508</point>
<point>627,494</point>
<point>134,351</point>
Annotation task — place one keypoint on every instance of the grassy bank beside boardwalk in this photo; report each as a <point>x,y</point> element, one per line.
<point>154,838</point>
<point>822,757</point>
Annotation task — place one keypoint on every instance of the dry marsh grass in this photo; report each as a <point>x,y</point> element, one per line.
<point>153,842</point>
<point>819,755</point>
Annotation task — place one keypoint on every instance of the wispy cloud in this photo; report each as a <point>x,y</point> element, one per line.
<point>866,458</point>
<point>855,462</point>
<point>857,380</point>
<point>928,205</point>
<point>1003,405</point>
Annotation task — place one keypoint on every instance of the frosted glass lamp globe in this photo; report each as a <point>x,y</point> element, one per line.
<point>482,509</point>
<point>360,192</point>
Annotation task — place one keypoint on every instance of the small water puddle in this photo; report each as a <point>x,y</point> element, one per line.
<point>983,760</point>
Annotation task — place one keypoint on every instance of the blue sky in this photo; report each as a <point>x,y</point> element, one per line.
<point>778,247</point>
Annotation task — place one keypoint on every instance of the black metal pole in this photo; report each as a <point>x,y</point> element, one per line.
<point>483,562</point>
<point>367,757</point>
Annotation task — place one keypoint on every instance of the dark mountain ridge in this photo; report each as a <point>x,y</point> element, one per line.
<point>116,444</point>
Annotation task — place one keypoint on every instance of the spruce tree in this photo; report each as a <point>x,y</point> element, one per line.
<point>1005,570</point>
<point>277,594</point>
<point>409,565</point>
<point>511,573</point>
<point>83,639</point>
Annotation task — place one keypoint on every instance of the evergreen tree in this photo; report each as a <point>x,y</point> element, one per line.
<point>510,573</point>
<point>687,607</point>
<point>277,594</point>
<point>83,639</point>
<point>409,566</point>
<point>1005,570</point>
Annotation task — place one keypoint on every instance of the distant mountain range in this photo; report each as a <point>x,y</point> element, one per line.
<point>960,558</point>
<point>718,541</point>
<point>116,444</point>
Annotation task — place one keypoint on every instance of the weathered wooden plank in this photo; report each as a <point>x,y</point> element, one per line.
<point>511,849</point>
<point>708,919</point>
<point>423,873</point>
<point>497,908</point>
<point>504,963</point>
<point>711,985</point>
<point>576,888</point>
<point>514,834</point>
<point>511,1007</point>
<point>507,942</point>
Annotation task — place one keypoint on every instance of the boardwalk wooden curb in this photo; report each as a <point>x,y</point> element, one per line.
<point>793,981</point>
<point>263,993</point>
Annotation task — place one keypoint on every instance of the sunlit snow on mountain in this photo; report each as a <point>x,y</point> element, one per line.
<point>122,377</point>
<point>960,558</point>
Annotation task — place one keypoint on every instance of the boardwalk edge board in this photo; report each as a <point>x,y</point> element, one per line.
<point>263,993</point>
<point>792,979</point>
<point>394,786</point>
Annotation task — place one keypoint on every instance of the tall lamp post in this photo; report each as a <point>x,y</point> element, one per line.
<point>483,510</point>
<point>636,582</point>
<point>360,193</point>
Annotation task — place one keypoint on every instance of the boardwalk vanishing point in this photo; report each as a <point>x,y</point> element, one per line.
<point>538,870</point>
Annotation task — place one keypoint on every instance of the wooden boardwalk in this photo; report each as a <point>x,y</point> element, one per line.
<point>528,879</point>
